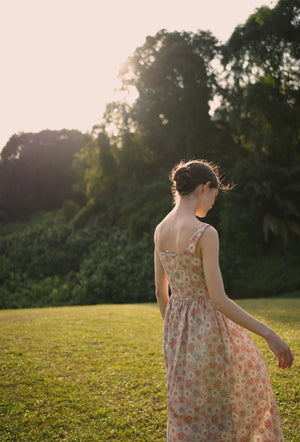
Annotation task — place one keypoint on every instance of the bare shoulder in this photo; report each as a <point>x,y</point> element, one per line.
<point>208,244</point>
<point>157,230</point>
<point>209,237</point>
<point>210,232</point>
<point>162,226</point>
<point>156,233</point>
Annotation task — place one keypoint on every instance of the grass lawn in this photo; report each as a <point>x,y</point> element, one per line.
<point>97,373</point>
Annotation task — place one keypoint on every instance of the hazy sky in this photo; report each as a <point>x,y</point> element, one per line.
<point>60,58</point>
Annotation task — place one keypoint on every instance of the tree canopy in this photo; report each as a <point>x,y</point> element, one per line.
<point>237,104</point>
<point>35,170</point>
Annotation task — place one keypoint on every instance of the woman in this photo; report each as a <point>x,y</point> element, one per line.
<point>218,385</point>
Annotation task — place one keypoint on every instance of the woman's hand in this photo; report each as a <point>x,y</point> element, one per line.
<point>281,350</point>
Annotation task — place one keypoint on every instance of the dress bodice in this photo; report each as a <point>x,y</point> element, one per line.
<point>185,270</point>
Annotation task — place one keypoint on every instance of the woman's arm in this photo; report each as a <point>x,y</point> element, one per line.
<point>209,244</point>
<point>161,284</point>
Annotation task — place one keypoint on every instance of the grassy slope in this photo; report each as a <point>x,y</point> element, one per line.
<point>97,373</point>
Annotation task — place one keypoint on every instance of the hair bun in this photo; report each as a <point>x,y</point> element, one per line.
<point>182,178</point>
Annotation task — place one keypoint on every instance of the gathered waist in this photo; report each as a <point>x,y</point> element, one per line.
<point>189,299</point>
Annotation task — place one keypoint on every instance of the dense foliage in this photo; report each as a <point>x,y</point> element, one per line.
<point>36,172</point>
<point>110,188</point>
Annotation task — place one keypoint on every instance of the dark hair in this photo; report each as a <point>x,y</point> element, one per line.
<point>187,176</point>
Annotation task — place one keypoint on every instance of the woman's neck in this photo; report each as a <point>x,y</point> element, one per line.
<point>187,205</point>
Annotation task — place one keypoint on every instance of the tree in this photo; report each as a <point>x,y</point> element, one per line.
<point>99,160</point>
<point>174,79</point>
<point>262,95</point>
<point>262,108</point>
<point>267,44</point>
<point>36,170</point>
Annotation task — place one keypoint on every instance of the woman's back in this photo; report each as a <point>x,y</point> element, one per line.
<point>184,269</point>
<point>175,231</point>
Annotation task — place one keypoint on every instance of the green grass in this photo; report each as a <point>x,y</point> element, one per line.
<point>97,373</point>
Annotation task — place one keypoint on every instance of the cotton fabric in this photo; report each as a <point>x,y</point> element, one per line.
<point>218,388</point>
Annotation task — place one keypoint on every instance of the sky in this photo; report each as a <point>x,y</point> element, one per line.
<point>60,58</point>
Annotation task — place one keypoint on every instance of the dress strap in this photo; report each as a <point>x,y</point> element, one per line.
<point>197,235</point>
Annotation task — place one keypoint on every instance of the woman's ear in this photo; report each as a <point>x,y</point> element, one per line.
<point>207,186</point>
<point>201,188</point>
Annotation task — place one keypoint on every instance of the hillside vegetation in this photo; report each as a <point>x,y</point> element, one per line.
<point>78,211</point>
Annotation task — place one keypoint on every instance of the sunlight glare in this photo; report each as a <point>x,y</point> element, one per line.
<point>60,59</point>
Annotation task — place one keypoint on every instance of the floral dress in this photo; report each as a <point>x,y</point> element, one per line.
<point>218,388</point>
